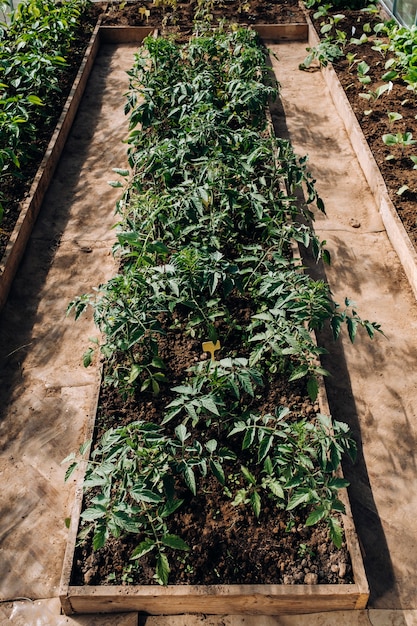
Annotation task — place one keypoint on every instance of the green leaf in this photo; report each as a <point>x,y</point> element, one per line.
<point>312,388</point>
<point>316,515</point>
<point>217,470</point>
<point>70,470</point>
<point>389,139</point>
<point>208,403</point>
<point>300,372</point>
<point>264,447</point>
<point>248,475</point>
<point>122,172</point>
<point>35,100</point>
<point>175,542</point>
<point>338,483</point>
<point>211,445</point>
<point>391,75</point>
<point>144,495</point>
<point>190,479</point>
<point>99,538</point>
<point>299,498</point>
<point>248,438</point>
<point>275,487</point>
<point>143,548</point>
<point>181,432</point>
<point>352,326</point>
<point>170,507</point>
<point>336,532</point>
<point>255,501</point>
<point>162,569</point>
<point>402,190</point>
<point>94,512</point>
<point>88,357</point>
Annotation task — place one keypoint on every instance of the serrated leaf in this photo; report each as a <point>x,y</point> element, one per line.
<point>275,487</point>
<point>336,532</point>
<point>315,516</point>
<point>122,172</point>
<point>175,542</point>
<point>143,548</point>
<point>264,447</point>
<point>338,483</point>
<point>70,470</point>
<point>300,372</point>
<point>145,495</point>
<point>99,538</point>
<point>248,438</point>
<point>217,470</point>
<point>93,513</point>
<point>352,326</point>
<point>88,357</point>
<point>248,475</point>
<point>255,501</point>
<point>298,499</point>
<point>208,403</point>
<point>162,569</point>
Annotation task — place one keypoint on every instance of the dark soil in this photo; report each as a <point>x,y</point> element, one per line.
<point>236,11</point>
<point>229,544</point>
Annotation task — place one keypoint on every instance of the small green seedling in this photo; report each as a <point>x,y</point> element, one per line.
<point>363,69</point>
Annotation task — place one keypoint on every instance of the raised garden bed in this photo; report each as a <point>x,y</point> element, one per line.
<point>16,226</point>
<point>215,598</point>
<point>392,179</point>
<point>235,599</point>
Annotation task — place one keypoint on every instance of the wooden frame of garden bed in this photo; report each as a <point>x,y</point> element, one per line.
<point>214,599</point>
<point>393,225</point>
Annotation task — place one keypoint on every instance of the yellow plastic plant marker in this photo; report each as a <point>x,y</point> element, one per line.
<point>209,346</point>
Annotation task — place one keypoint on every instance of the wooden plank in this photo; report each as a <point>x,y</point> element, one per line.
<point>269,32</point>
<point>124,34</point>
<point>215,599</point>
<point>282,32</point>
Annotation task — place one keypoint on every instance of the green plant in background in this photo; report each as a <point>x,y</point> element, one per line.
<point>35,39</point>
<point>327,51</point>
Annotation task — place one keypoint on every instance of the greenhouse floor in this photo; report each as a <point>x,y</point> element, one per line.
<point>46,394</point>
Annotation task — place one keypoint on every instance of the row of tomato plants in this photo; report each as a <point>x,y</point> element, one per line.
<point>207,222</point>
<point>35,41</point>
